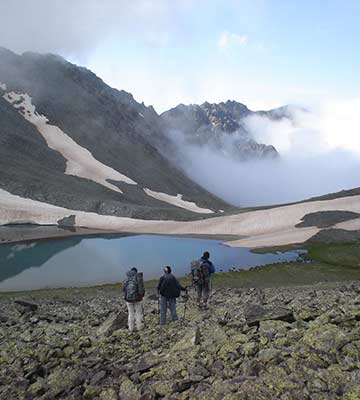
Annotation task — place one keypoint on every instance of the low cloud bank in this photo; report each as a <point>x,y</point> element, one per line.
<point>319,154</point>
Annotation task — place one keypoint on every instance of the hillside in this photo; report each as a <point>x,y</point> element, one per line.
<point>273,343</point>
<point>70,140</point>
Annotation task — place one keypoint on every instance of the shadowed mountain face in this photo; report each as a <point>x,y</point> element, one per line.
<point>222,127</point>
<point>118,132</point>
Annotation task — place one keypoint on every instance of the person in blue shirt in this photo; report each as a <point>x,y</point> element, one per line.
<point>203,285</point>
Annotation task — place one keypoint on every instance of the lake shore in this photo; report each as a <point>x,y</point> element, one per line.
<point>27,233</point>
<point>329,263</point>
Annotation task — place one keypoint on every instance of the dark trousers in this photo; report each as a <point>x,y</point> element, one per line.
<point>164,304</point>
<point>202,292</point>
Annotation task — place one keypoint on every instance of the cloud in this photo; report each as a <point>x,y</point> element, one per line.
<point>330,125</point>
<point>228,40</point>
<point>319,154</point>
<point>75,27</point>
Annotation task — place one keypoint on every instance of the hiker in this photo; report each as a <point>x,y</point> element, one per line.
<point>169,289</point>
<point>201,271</point>
<point>134,292</point>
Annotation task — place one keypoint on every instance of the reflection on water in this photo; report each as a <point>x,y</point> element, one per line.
<point>89,261</point>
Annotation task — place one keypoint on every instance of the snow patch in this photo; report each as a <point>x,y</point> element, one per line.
<point>141,115</point>
<point>280,238</point>
<point>79,161</point>
<point>177,201</point>
<point>352,225</point>
<point>2,86</point>
<point>271,227</point>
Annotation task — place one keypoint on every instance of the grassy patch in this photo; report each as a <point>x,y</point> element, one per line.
<point>341,254</point>
<point>276,249</point>
<point>287,274</point>
<point>330,263</point>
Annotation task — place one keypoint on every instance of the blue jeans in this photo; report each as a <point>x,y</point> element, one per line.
<point>164,303</point>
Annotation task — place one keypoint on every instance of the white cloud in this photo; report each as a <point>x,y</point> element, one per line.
<point>333,125</point>
<point>77,27</point>
<point>319,153</point>
<point>229,39</point>
<point>340,122</point>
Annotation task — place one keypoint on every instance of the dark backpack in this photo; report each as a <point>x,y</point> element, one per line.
<point>200,272</point>
<point>134,288</point>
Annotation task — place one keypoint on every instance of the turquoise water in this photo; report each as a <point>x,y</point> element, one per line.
<point>90,261</point>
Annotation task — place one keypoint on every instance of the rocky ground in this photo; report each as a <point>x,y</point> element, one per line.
<point>283,343</point>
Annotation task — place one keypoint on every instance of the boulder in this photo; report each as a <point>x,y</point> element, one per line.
<point>97,378</point>
<point>67,221</point>
<point>26,305</point>
<point>255,313</point>
<point>113,323</point>
<point>109,394</point>
<point>182,385</point>
<point>128,390</point>
<point>143,364</point>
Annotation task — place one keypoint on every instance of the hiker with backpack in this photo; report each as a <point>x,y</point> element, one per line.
<point>169,290</point>
<point>201,271</point>
<point>134,292</point>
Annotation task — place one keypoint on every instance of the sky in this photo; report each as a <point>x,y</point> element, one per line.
<point>264,53</point>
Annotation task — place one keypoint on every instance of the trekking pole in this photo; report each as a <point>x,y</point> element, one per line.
<point>186,298</point>
<point>210,289</point>
<point>143,314</point>
<point>158,298</point>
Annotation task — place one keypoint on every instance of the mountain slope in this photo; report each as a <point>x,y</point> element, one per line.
<point>222,127</point>
<point>71,140</point>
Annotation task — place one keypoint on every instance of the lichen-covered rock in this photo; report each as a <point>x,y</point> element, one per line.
<point>91,392</point>
<point>62,380</point>
<point>188,341</point>
<point>353,394</point>
<point>109,394</point>
<point>37,388</point>
<point>163,388</point>
<point>324,337</point>
<point>128,390</point>
<point>76,348</point>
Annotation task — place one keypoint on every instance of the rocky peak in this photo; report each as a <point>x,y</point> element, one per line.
<point>226,115</point>
<point>219,125</point>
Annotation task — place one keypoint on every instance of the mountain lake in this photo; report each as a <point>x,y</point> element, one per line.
<point>79,261</point>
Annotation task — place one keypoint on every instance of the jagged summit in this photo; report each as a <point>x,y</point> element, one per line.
<point>222,127</point>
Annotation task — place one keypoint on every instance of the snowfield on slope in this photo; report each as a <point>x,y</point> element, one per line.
<point>178,201</point>
<point>79,161</point>
<point>269,227</point>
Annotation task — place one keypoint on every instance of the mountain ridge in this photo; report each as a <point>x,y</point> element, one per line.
<point>118,132</point>
<point>222,126</point>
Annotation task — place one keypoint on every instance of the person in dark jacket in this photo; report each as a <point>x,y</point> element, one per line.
<point>169,289</point>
